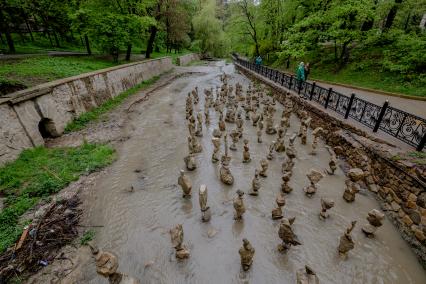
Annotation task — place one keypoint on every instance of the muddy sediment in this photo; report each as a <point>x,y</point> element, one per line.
<point>135,224</point>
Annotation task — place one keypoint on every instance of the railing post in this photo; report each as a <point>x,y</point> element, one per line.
<point>328,97</point>
<point>381,114</point>
<point>351,100</point>
<point>312,91</point>
<point>291,82</point>
<point>422,143</point>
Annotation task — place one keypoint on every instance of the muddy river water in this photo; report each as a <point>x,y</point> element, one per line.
<point>136,225</point>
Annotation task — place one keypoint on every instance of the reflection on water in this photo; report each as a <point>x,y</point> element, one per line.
<point>136,224</point>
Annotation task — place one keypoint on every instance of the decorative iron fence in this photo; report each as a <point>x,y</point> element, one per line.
<point>407,127</point>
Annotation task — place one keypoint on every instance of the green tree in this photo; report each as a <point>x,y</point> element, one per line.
<point>208,30</point>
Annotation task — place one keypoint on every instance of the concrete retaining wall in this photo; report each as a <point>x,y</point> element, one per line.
<point>46,109</point>
<point>185,59</point>
<point>399,186</point>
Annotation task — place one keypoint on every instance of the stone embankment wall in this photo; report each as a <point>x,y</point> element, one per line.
<point>29,115</point>
<point>399,186</point>
<point>185,59</point>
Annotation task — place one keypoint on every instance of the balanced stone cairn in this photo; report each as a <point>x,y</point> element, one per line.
<point>216,149</point>
<point>285,187</point>
<point>199,131</point>
<point>239,205</point>
<point>270,129</point>
<point>246,152</point>
<point>346,242</point>
<point>176,235</point>
<point>316,133</point>
<point>333,161</point>
<point>222,126</point>
<point>326,204</point>
<point>264,168</point>
<point>286,234</point>
<point>225,173</point>
<point>190,162</point>
<point>270,155</point>
<point>234,137</point>
<point>375,220</point>
<point>185,184</point>
<point>306,276</point>
<point>259,135</point>
<point>216,133</point>
<point>202,198</point>
<point>277,213</point>
<point>239,122</point>
<point>279,144</point>
<point>206,115</point>
<point>255,117</point>
<point>193,145</point>
<point>255,184</point>
<point>191,125</point>
<point>291,150</point>
<point>314,177</point>
<point>305,125</point>
<point>352,187</point>
<point>246,255</point>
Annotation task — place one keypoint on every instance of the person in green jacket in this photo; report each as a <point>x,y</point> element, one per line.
<point>300,74</point>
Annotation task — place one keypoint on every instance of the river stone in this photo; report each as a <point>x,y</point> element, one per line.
<point>355,174</point>
<point>406,219</point>
<point>421,199</point>
<point>106,263</point>
<point>415,217</point>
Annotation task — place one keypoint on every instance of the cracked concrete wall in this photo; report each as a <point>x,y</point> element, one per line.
<point>63,100</point>
<point>185,59</point>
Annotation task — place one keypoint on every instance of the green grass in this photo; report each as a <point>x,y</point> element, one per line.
<point>38,173</point>
<point>415,157</point>
<point>94,115</point>
<point>363,70</point>
<point>35,70</point>
<point>87,237</point>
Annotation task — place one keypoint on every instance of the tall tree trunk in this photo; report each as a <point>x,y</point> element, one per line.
<point>335,51</point>
<point>10,41</point>
<point>29,30</point>
<point>150,45</point>
<point>288,62</point>
<point>86,41</point>
<point>5,27</point>
<point>391,15</point>
<point>56,39</point>
<point>128,52</point>
<point>407,21</point>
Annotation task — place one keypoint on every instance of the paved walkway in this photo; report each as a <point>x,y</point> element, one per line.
<point>412,106</point>
<point>380,134</point>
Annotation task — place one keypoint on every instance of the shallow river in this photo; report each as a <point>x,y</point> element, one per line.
<point>136,224</point>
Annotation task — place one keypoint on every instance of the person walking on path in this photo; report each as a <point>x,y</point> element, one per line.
<point>307,71</point>
<point>258,61</point>
<point>300,74</point>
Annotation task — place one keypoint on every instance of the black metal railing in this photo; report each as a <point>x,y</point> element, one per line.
<point>407,127</point>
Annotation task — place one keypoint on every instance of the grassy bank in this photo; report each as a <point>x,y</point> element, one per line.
<point>94,115</point>
<point>37,174</point>
<point>364,70</point>
<point>36,70</point>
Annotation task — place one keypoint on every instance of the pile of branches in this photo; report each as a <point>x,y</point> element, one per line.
<point>55,226</point>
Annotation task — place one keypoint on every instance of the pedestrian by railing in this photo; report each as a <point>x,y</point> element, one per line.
<point>407,127</point>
